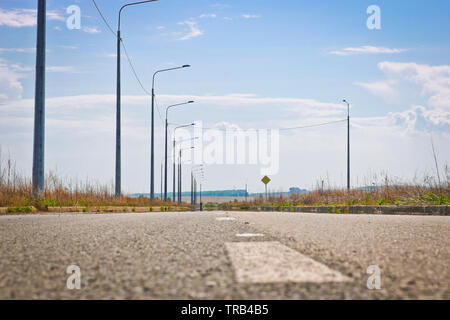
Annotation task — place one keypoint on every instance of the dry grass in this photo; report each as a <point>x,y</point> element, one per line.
<point>386,195</point>
<point>16,191</point>
<point>430,191</point>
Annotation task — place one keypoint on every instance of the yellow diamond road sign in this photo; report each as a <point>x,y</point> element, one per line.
<point>265,180</point>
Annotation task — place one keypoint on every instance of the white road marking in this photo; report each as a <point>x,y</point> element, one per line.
<point>271,262</point>
<point>225,219</point>
<point>249,235</point>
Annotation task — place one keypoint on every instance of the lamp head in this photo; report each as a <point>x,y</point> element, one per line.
<point>191,101</point>
<point>186,66</point>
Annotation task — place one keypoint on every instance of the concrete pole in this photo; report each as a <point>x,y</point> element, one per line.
<point>152,150</point>
<point>165,162</point>
<point>173,194</point>
<point>180,191</point>
<point>118,186</point>
<point>348,146</point>
<point>192,188</point>
<point>39,105</point>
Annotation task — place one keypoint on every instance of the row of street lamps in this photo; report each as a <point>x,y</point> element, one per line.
<point>39,116</point>
<point>118,190</point>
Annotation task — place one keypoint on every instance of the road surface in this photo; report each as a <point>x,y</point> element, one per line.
<point>220,255</point>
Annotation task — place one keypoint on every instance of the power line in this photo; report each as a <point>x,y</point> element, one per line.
<point>124,48</point>
<point>159,111</point>
<point>281,129</point>
<point>133,69</point>
<point>157,107</point>
<point>104,20</point>
<point>313,125</point>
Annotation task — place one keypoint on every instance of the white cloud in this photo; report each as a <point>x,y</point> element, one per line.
<point>91,30</point>
<point>10,85</point>
<point>194,30</point>
<point>220,5</point>
<point>18,50</point>
<point>367,50</point>
<point>61,69</point>
<point>251,16</point>
<point>72,119</point>
<point>433,83</point>
<point>68,47</point>
<point>208,15</point>
<point>380,88</point>
<point>54,15</point>
<point>18,18</point>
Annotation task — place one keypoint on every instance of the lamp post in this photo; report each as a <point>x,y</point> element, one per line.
<point>165,157</point>
<point>180,196</point>
<point>118,104</point>
<point>348,143</point>
<point>174,160</point>
<point>39,104</point>
<point>195,170</point>
<point>152,156</point>
<point>174,135</point>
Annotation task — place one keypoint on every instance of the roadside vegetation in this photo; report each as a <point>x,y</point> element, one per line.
<point>16,193</point>
<point>395,193</point>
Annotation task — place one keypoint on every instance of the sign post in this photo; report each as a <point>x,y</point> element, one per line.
<point>266,181</point>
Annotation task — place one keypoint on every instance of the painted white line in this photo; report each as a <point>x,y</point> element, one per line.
<point>225,219</point>
<point>249,235</point>
<point>271,262</point>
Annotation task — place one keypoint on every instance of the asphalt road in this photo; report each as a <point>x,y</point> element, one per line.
<point>224,256</point>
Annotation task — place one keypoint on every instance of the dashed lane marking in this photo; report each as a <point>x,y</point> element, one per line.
<point>273,262</point>
<point>225,219</point>
<point>249,235</point>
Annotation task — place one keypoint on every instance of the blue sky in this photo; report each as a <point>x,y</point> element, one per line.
<point>255,64</point>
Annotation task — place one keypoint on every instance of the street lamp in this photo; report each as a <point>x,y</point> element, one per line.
<point>180,195</point>
<point>174,135</point>
<point>174,160</point>
<point>118,104</point>
<point>152,161</point>
<point>165,157</point>
<point>194,171</point>
<point>348,143</point>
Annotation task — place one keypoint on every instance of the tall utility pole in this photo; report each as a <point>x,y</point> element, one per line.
<point>348,144</point>
<point>174,161</point>
<point>118,186</point>
<point>195,191</point>
<point>180,191</point>
<point>192,188</point>
<point>201,203</point>
<point>39,105</point>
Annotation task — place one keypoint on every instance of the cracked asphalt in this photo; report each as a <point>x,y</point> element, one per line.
<point>184,255</point>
